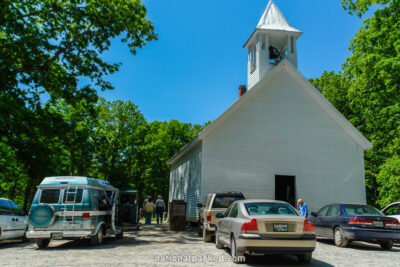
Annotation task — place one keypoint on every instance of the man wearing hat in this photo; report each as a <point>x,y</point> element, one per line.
<point>160,207</point>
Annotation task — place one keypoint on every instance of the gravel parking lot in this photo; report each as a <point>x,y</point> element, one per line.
<point>154,245</point>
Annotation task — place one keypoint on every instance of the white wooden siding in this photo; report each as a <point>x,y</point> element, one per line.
<point>281,130</point>
<point>185,182</point>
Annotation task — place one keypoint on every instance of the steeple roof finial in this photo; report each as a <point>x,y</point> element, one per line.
<point>273,19</point>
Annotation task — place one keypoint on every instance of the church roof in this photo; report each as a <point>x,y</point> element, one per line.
<point>273,19</point>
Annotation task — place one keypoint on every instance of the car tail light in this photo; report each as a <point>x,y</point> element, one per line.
<point>208,217</point>
<point>394,223</point>
<point>308,227</point>
<point>85,216</point>
<point>250,227</point>
<point>360,221</point>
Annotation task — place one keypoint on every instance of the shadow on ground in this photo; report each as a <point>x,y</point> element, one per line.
<point>148,234</point>
<point>361,246</point>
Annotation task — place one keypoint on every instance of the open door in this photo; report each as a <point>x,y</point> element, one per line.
<point>285,189</point>
<point>128,210</point>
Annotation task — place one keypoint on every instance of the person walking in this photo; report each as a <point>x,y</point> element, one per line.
<point>303,209</point>
<point>148,210</point>
<point>160,207</point>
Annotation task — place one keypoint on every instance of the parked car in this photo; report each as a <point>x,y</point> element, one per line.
<point>347,222</point>
<point>264,226</point>
<point>213,204</point>
<point>13,220</point>
<point>392,210</point>
<point>77,207</point>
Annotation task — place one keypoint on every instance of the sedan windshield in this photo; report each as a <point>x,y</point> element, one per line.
<point>361,210</point>
<point>270,209</point>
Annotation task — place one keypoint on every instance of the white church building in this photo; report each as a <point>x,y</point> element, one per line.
<point>281,140</point>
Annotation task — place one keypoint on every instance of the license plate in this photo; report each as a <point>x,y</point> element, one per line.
<point>378,223</point>
<point>280,227</point>
<point>57,236</point>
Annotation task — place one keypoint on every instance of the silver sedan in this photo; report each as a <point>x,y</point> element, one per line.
<point>264,227</point>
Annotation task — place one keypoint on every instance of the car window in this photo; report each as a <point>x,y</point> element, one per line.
<point>5,204</point>
<point>270,209</point>
<point>13,205</point>
<point>50,196</point>
<point>333,211</point>
<point>5,208</point>
<point>392,210</point>
<point>227,211</point>
<point>222,202</point>
<point>323,211</point>
<point>234,211</point>
<point>361,210</point>
<point>73,195</point>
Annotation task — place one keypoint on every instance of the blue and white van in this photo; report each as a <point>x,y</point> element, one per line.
<point>71,207</point>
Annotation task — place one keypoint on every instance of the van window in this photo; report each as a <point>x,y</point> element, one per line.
<point>50,196</point>
<point>73,195</point>
<point>102,201</point>
<point>110,196</point>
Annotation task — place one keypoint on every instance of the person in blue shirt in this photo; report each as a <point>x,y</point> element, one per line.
<point>302,208</point>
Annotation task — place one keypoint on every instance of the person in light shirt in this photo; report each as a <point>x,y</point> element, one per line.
<point>303,210</point>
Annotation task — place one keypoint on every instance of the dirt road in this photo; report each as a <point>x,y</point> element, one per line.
<point>154,246</point>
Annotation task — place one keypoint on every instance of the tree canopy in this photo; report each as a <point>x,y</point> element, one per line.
<point>367,92</point>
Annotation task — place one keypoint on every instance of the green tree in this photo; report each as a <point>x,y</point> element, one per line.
<point>51,49</point>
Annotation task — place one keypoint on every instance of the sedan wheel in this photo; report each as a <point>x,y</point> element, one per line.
<point>217,243</point>
<point>387,245</point>
<point>338,238</point>
<point>305,258</point>
<point>237,256</point>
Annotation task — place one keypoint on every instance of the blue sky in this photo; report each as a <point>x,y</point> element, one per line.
<point>192,73</point>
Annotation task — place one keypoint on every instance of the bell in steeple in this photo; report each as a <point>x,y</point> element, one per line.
<point>272,41</point>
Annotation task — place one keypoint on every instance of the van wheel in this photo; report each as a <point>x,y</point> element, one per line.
<point>97,239</point>
<point>120,235</point>
<point>305,258</point>
<point>338,238</point>
<point>206,235</point>
<point>42,243</point>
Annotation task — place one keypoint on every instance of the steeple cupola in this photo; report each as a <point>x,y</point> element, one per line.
<point>272,41</point>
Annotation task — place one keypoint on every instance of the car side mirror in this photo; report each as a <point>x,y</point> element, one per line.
<point>219,215</point>
<point>199,205</point>
<point>313,214</point>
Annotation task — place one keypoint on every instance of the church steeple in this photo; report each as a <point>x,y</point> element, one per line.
<point>272,41</point>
